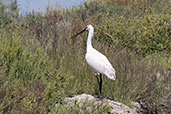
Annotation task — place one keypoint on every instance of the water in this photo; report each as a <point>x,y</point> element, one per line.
<point>30,5</point>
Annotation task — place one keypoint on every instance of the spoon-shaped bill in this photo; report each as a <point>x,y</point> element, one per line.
<point>79,33</point>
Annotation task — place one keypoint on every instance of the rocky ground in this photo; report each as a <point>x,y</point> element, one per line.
<point>116,107</point>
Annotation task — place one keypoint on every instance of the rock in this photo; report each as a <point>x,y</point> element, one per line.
<point>116,107</point>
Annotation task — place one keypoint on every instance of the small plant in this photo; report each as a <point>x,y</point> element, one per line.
<point>85,107</point>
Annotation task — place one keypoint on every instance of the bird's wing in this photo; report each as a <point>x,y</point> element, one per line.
<point>99,63</point>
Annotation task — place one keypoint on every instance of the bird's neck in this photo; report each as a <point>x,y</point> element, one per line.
<point>89,40</point>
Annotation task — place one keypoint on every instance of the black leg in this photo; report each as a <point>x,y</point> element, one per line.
<point>100,84</point>
<point>98,81</point>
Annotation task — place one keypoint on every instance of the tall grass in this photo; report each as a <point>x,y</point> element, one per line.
<point>40,64</point>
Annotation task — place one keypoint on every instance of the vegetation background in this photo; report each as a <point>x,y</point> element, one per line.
<point>41,65</point>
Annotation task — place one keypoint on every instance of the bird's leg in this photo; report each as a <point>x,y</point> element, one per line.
<point>98,80</point>
<point>100,84</point>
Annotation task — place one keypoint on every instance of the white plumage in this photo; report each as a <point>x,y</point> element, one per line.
<point>97,61</point>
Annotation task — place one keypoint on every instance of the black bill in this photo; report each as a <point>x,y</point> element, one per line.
<point>79,33</point>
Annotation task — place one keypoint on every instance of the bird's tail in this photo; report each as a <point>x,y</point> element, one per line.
<point>112,76</point>
<point>110,73</point>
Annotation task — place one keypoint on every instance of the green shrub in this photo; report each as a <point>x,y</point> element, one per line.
<point>85,107</point>
<point>145,36</point>
<point>21,59</point>
<point>29,79</point>
<point>5,16</point>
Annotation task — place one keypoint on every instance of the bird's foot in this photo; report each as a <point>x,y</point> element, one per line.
<point>99,96</point>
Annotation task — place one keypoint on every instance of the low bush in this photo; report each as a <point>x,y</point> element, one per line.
<point>85,107</point>
<point>28,78</point>
<point>145,36</point>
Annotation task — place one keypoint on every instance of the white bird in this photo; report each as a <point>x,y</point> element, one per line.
<point>96,60</point>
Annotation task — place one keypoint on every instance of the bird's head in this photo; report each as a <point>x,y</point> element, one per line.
<point>88,28</point>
